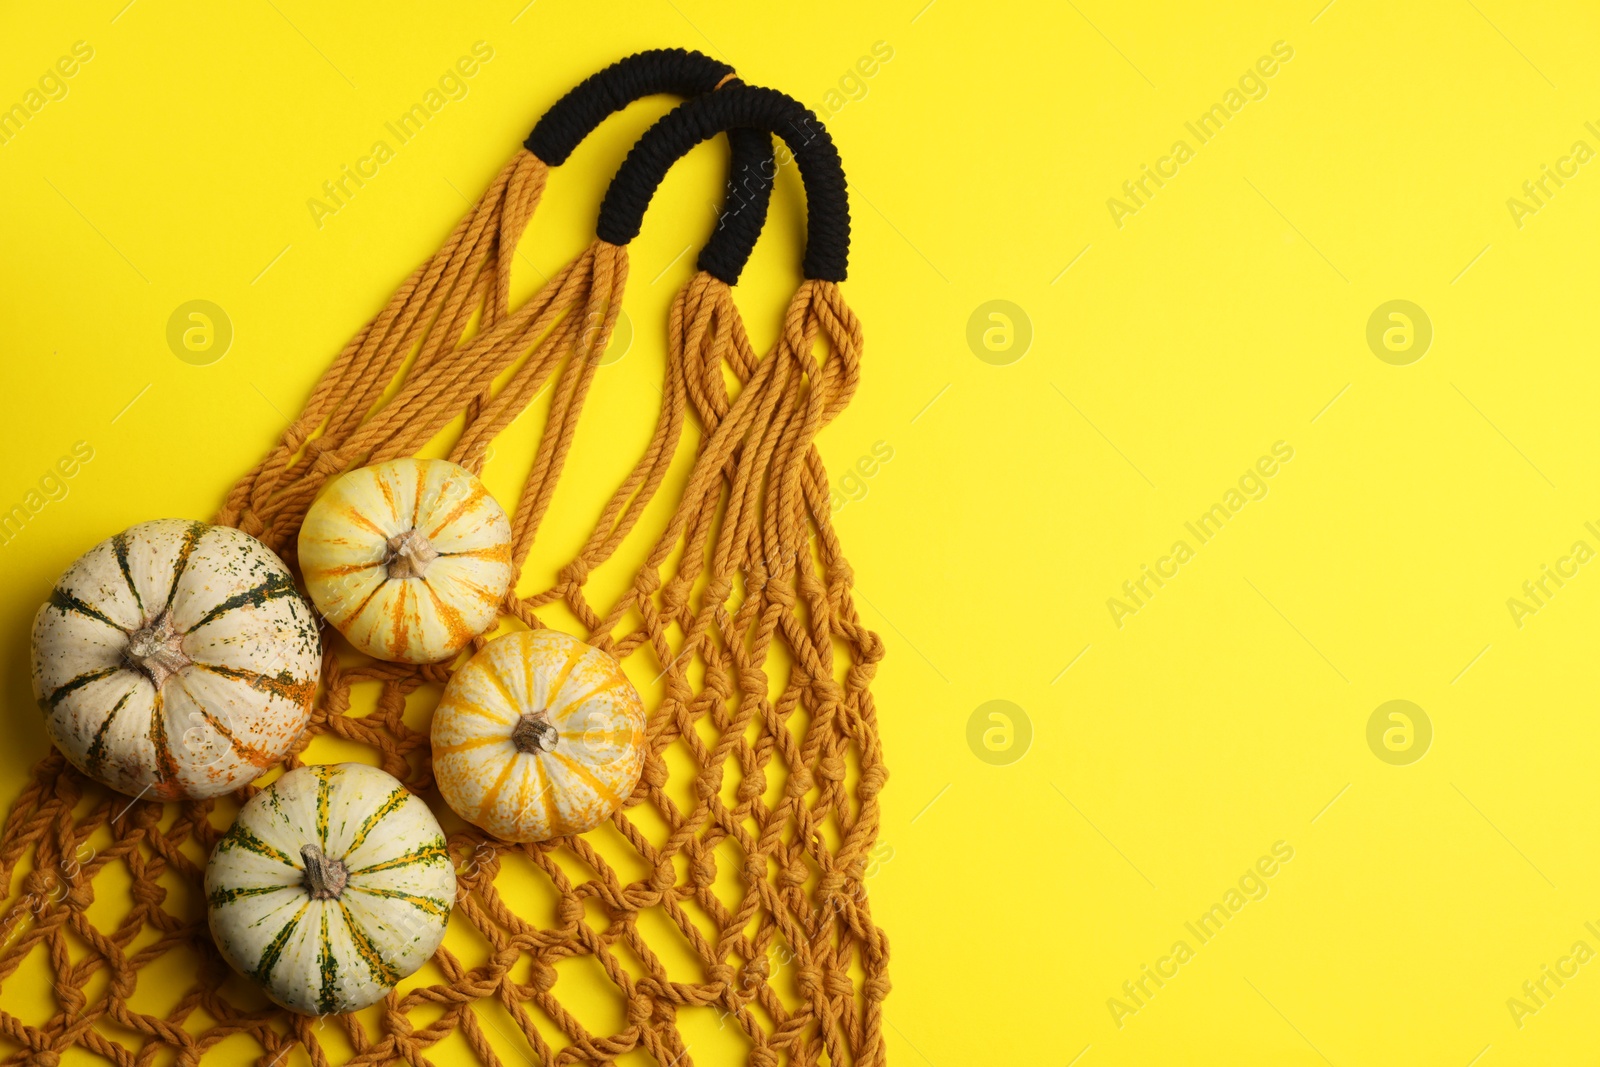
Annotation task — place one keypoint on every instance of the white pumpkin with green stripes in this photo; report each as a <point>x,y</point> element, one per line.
<point>176,659</point>
<point>332,885</point>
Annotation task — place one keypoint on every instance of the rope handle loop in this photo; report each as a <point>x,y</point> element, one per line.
<point>734,107</point>
<point>678,72</point>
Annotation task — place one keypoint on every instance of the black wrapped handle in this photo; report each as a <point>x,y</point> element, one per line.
<point>744,206</point>
<point>674,71</point>
<point>730,108</point>
<point>678,72</point>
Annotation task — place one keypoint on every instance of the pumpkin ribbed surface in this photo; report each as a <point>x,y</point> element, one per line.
<point>175,659</point>
<point>408,559</point>
<point>332,885</point>
<point>539,735</point>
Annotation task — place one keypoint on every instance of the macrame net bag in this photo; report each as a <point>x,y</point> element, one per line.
<point>733,880</point>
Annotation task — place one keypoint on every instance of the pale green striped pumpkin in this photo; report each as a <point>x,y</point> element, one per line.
<point>332,885</point>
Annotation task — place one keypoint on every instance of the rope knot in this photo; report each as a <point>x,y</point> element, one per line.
<point>675,596</point>
<point>326,464</point>
<point>637,896</point>
<point>752,785</point>
<point>794,875</point>
<point>542,977</point>
<point>717,592</point>
<point>780,593</point>
<point>655,771</point>
<point>808,982</point>
<point>573,575</point>
<point>570,911</point>
<point>150,894</point>
<point>838,984</point>
<point>664,876</point>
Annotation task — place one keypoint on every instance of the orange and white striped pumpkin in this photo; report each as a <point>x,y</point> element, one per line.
<point>537,736</point>
<point>408,559</point>
<point>176,659</point>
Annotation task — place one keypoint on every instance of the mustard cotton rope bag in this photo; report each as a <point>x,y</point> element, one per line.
<point>48,915</point>
<point>748,565</point>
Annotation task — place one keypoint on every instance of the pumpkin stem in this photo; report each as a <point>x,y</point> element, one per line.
<point>325,877</point>
<point>156,649</point>
<point>533,733</point>
<point>409,554</point>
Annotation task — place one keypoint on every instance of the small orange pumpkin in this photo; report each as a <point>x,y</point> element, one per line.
<point>408,559</point>
<point>537,736</point>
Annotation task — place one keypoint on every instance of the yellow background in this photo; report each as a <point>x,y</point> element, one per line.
<point>1231,711</point>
